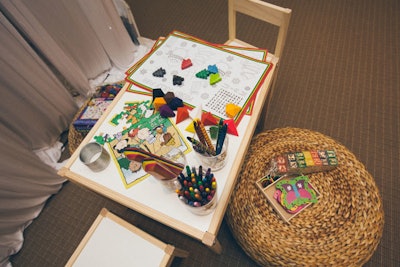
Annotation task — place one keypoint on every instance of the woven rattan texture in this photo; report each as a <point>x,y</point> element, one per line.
<point>342,229</point>
<point>75,137</point>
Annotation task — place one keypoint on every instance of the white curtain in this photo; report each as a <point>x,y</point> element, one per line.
<point>33,98</point>
<point>81,38</point>
<point>45,47</point>
<point>35,109</point>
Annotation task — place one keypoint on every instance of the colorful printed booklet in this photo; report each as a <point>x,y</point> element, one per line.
<point>134,123</point>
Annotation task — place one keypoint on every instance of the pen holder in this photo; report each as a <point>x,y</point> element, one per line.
<point>94,156</point>
<point>199,190</point>
<point>216,162</point>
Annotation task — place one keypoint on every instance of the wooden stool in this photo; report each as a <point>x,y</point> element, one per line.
<point>112,241</point>
<point>342,229</point>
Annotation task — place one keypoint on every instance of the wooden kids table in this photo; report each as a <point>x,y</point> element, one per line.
<point>149,197</point>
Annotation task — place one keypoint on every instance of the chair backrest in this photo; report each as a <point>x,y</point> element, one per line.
<point>267,12</point>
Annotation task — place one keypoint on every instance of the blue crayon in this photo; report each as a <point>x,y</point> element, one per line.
<point>200,172</point>
<point>208,172</point>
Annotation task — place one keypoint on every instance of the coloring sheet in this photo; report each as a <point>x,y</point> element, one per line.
<point>134,123</point>
<point>201,74</point>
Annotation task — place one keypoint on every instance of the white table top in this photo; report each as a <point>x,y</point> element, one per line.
<point>150,197</point>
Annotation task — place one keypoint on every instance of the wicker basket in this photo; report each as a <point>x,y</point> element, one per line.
<point>76,137</point>
<point>342,229</point>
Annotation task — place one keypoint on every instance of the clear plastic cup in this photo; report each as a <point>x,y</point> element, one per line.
<point>216,162</point>
<point>207,203</point>
<point>175,155</point>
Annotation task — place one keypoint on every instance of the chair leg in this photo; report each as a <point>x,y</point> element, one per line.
<point>262,124</point>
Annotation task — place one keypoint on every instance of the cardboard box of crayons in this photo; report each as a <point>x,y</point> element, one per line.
<point>289,195</point>
<point>93,110</point>
<point>96,106</point>
<point>306,161</point>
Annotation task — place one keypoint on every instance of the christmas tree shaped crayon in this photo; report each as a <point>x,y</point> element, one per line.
<point>212,68</point>
<point>159,72</point>
<point>177,80</point>
<point>203,74</point>
<point>186,63</point>
<point>214,78</point>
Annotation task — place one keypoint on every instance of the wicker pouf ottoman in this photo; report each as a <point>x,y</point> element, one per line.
<point>342,229</point>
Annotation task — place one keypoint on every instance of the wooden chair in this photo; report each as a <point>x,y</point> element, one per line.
<point>268,13</point>
<point>112,241</point>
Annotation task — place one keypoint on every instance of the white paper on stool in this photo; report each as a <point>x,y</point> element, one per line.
<point>113,245</point>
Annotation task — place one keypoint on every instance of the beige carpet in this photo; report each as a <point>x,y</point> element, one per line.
<point>339,75</point>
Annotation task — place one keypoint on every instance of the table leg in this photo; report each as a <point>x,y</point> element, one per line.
<point>211,241</point>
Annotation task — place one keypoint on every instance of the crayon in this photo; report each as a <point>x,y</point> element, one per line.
<point>201,147</point>
<point>203,136</point>
<point>140,155</point>
<point>193,192</point>
<point>158,170</point>
<point>221,137</point>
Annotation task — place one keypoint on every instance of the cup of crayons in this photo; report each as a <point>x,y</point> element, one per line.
<point>198,190</point>
<point>211,148</point>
